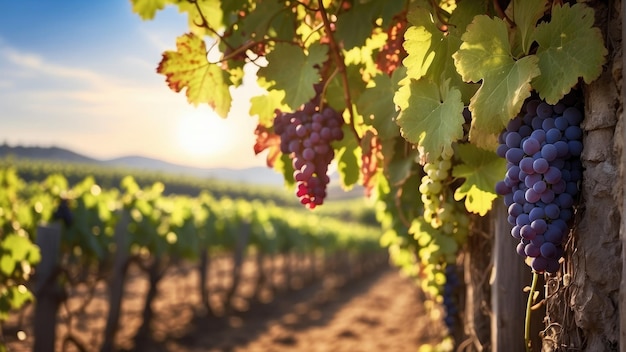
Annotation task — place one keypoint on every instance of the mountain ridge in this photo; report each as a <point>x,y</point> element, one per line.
<point>251,175</point>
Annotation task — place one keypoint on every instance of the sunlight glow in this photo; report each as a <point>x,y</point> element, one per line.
<point>202,133</point>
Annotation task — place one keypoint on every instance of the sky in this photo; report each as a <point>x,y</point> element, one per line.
<point>82,75</point>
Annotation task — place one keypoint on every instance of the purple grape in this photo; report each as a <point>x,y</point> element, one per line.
<point>531,196</point>
<point>573,132</point>
<point>561,123</point>
<point>515,232</point>
<point>515,209</point>
<point>536,213</point>
<point>540,226</point>
<point>552,175</point>
<point>532,250</point>
<point>573,116</point>
<point>539,264</point>
<point>513,140</point>
<point>553,234</point>
<point>538,240</point>
<point>520,249</point>
<point>540,187</point>
<point>544,110</point>
<point>548,152</point>
<point>552,211</point>
<point>527,232</point>
<point>553,135</point>
<point>514,155</point>
<point>540,165</point>
<point>562,149</point>
<point>531,146</point>
<point>526,165</point>
<point>539,135</point>
<point>575,147</point>
<point>548,250</point>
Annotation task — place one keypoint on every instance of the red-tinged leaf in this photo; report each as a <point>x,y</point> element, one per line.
<point>188,68</point>
<point>371,158</point>
<point>267,140</point>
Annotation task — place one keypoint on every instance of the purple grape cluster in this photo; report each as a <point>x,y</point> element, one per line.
<point>542,147</point>
<point>306,135</point>
<point>449,296</point>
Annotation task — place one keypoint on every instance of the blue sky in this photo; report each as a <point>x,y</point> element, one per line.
<point>81,75</point>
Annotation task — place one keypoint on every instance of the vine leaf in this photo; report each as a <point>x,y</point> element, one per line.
<point>348,156</point>
<point>526,13</point>
<point>569,47</point>
<point>289,69</point>
<point>266,140</point>
<point>197,11</point>
<point>268,17</point>
<point>147,9</point>
<point>485,55</point>
<point>188,68</point>
<point>377,107</point>
<point>428,118</point>
<point>430,51</point>
<point>264,106</point>
<point>355,25</point>
<point>423,43</point>
<point>481,170</point>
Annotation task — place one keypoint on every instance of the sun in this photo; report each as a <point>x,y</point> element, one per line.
<point>202,133</point>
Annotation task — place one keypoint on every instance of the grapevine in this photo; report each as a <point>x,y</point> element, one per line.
<point>542,147</point>
<point>404,77</point>
<point>306,136</point>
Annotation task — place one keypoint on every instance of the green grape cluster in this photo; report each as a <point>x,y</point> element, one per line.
<point>441,211</point>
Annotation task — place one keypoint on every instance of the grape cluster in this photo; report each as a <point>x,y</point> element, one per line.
<point>63,212</point>
<point>439,209</point>
<point>542,148</point>
<point>306,135</point>
<point>449,299</point>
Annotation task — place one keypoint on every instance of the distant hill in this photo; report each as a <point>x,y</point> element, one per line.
<point>45,153</point>
<point>254,175</point>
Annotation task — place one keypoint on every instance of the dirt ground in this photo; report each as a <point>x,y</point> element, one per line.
<point>380,311</point>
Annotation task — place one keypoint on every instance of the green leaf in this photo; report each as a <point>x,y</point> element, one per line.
<point>428,118</point>
<point>423,43</point>
<point>376,104</point>
<point>348,156</point>
<point>569,48</point>
<point>334,94</point>
<point>188,68</point>
<point>19,246</point>
<point>485,55</point>
<point>199,11</point>
<point>7,265</point>
<point>147,9</point>
<point>481,169</point>
<point>289,69</point>
<point>526,13</point>
<point>264,106</point>
<point>355,25</point>
<point>270,18</point>
<point>464,13</point>
<point>430,52</point>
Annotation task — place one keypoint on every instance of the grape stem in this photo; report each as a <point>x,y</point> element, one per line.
<point>341,66</point>
<point>529,305</point>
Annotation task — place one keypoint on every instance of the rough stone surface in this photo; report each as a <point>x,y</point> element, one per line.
<point>587,310</point>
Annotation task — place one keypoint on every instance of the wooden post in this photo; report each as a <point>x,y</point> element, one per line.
<point>508,299</point>
<point>622,291</point>
<point>47,292</point>
<point>117,284</point>
<point>238,257</point>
